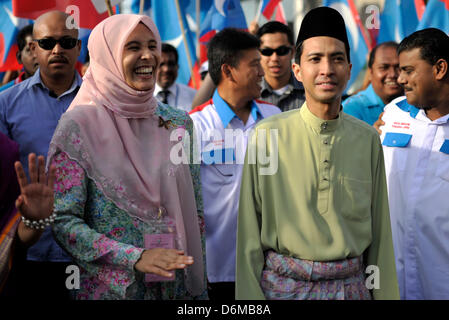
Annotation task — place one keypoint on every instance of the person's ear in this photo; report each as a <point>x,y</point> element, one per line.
<point>297,71</point>
<point>440,69</point>
<point>19,56</point>
<point>370,74</point>
<point>78,45</point>
<point>226,71</point>
<point>33,49</point>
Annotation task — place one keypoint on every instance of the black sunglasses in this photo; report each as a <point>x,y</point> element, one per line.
<point>280,51</point>
<point>49,43</point>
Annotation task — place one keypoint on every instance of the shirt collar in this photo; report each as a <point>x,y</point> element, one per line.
<point>293,84</point>
<point>158,89</point>
<point>19,78</point>
<point>319,125</point>
<point>37,80</point>
<point>372,96</point>
<point>403,105</point>
<point>225,112</point>
<point>421,115</point>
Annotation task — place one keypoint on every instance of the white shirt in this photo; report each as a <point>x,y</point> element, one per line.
<point>181,96</point>
<point>221,181</point>
<point>416,152</point>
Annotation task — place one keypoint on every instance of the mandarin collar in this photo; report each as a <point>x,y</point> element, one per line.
<point>319,125</point>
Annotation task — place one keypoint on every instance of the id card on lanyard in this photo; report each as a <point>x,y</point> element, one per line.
<point>164,238</point>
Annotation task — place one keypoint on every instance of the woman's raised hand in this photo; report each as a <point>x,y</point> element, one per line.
<point>36,198</point>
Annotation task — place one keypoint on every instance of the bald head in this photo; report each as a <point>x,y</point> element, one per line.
<point>56,59</point>
<point>54,20</point>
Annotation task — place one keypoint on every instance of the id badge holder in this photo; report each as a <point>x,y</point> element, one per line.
<point>164,238</point>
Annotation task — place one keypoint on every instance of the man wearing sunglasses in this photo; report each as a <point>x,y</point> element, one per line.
<point>29,113</point>
<point>279,87</point>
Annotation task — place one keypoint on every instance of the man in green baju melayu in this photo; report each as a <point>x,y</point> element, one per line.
<point>318,227</point>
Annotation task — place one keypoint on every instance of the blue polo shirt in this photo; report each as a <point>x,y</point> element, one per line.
<point>29,114</point>
<point>365,105</point>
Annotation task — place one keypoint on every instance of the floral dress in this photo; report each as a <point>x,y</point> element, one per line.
<point>104,240</point>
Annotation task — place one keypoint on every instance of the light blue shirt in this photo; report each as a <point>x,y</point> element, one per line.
<point>29,114</point>
<point>365,105</point>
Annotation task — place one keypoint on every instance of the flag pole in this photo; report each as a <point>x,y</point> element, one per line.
<point>198,27</point>
<point>355,14</point>
<point>142,5</point>
<point>108,5</point>
<point>189,58</point>
<point>259,9</point>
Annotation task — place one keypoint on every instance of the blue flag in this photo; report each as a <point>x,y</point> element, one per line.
<point>397,20</point>
<point>436,15</point>
<point>222,14</point>
<point>166,18</point>
<point>9,27</point>
<point>357,44</point>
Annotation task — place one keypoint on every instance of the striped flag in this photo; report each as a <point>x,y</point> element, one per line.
<point>358,40</point>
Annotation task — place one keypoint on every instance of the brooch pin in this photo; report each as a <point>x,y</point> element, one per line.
<point>166,124</point>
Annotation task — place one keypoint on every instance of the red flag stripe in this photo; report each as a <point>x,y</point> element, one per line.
<point>420,8</point>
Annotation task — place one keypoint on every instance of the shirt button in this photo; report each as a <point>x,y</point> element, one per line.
<point>325,142</point>
<point>326,161</point>
<point>324,125</point>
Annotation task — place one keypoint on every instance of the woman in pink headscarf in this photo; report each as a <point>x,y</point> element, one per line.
<point>128,211</point>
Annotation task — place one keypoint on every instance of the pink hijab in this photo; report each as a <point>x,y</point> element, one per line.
<point>112,131</point>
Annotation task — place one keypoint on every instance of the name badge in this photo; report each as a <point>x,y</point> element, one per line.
<point>163,240</point>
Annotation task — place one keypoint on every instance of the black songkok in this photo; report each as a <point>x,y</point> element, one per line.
<point>323,22</point>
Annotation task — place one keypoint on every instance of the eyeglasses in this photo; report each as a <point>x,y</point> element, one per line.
<point>49,43</point>
<point>280,51</point>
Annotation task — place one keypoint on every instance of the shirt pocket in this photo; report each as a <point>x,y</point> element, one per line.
<point>355,198</point>
<point>443,164</point>
<point>225,170</point>
<point>395,139</point>
<point>398,143</point>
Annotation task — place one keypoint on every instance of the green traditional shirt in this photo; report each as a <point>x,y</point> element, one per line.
<point>327,200</point>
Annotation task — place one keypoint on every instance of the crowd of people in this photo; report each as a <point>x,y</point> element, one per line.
<point>263,184</point>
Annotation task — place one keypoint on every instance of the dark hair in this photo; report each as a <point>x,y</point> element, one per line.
<point>372,55</point>
<point>299,52</point>
<point>168,48</point>
<point>274,27</point>
<point>23,33</point>
<point>226,48</point>
<point>433,44</point>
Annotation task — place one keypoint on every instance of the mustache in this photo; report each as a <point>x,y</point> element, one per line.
<point>59,59</point>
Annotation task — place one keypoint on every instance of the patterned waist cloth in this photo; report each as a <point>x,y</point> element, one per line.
<point>290,278</point>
